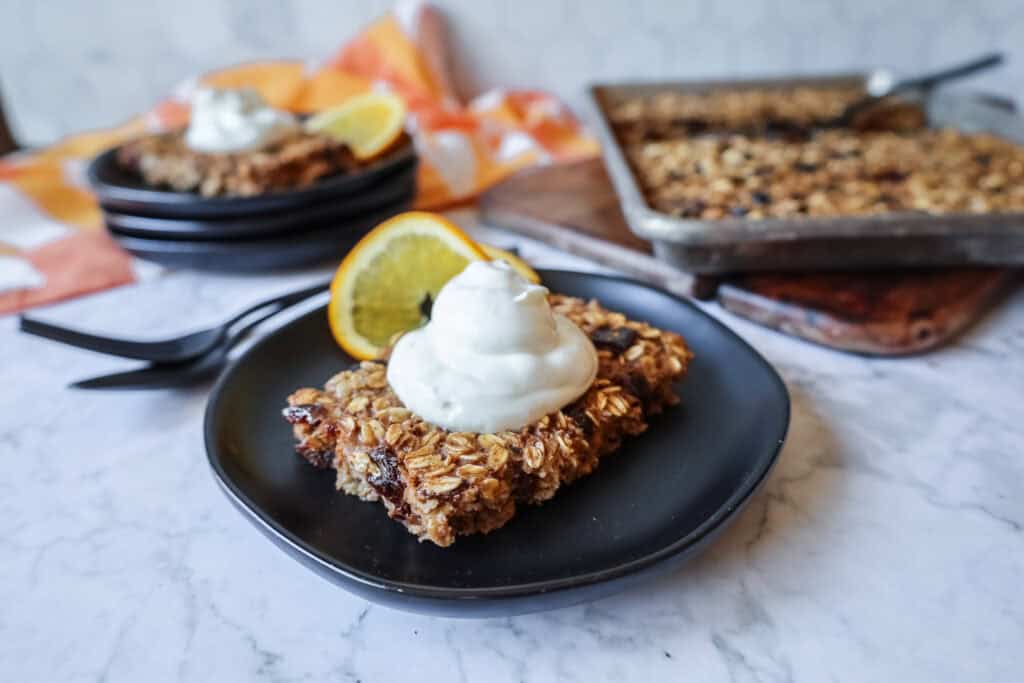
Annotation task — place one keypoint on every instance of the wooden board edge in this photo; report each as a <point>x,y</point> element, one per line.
<point>882,339</point>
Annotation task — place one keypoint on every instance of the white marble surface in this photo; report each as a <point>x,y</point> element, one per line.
<point>886,546</point>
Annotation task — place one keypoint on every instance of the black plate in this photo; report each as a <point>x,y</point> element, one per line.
<point>318,244</point>
<point>645,510</point>
<point>121,190</point>
<point>397,190</point>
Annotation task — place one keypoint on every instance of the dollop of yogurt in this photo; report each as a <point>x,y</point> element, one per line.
<point>493,356</point>
<point>234,121</point>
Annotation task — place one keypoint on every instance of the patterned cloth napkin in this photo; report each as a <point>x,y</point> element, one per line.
<point>52,242</point>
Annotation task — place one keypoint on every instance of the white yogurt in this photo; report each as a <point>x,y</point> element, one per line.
<point>234,121</point>
<point>493,356</point>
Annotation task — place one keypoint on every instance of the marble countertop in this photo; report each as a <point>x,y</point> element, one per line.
<point>886,545</point>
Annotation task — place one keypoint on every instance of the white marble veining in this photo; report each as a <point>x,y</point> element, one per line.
<point>886,546</point>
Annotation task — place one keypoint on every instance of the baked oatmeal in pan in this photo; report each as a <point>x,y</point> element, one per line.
<point>762,153</point>
<point>441,484</point>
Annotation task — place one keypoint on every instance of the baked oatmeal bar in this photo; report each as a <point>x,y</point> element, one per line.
<point>762,153</point>
<point>164,160</point>
<point>442,484</point>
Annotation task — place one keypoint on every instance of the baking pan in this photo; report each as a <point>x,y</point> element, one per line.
<point>832,243</point>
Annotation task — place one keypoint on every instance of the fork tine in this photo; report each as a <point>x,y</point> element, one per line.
<point>153,377</point>
<point>120,380</point>
<point>166,375</point>
<point>191,371</point>
<point>167,350</point>
<point>131,379</point>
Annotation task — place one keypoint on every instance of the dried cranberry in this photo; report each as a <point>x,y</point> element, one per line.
<point>890,176</point>
<point>388,481</point>
<point>523,485</point>
<point>616,339</point>
<point>321,459</point>
<point>578,414</point>
<point>693,208</point>
<point>636,385</point>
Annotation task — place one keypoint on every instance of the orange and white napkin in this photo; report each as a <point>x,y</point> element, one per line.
<point>52,243</point>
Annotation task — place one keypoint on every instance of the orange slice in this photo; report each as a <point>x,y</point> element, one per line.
<point>369,124</point>
<point>380,289</point>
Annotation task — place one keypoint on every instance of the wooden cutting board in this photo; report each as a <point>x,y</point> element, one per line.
<point>574,207</point>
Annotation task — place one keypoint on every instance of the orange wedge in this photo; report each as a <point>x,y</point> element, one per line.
<point>369,124</point>
<point>381,288</point>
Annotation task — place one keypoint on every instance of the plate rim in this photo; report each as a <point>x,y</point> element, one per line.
<point>293,221</point>
<point>709,526</point>
<point>320,235</point>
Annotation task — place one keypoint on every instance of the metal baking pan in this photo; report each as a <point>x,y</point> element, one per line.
<point>807,243</point>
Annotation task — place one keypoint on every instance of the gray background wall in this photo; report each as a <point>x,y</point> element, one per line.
<point>67,65</point>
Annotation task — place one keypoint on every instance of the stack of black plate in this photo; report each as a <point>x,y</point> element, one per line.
<point>280,229</point>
